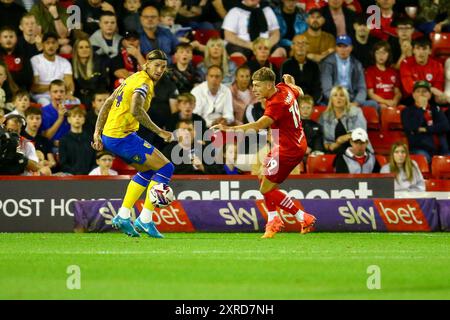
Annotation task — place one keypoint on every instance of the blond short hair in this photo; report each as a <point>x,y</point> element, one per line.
<point>264,74</point>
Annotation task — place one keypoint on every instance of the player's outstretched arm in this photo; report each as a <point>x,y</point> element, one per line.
<point>101,120</point>
<point>138,111</point>
<point>263,123</point>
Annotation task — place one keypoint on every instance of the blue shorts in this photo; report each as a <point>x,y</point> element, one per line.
<point>132,148</point>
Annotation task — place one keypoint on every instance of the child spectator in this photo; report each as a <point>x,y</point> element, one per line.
<point>21,102</point>
<point>186,105</point>
<point>182,71</point>
<point>30,41</point>
<point>312,129</point>
<point>230,153</point>
<point>241,89</point>
<point>167,20</point>
<point>75,151</point>
<point>130,17</point>
<point>407,173</point>
<point>261,50</point>
<point>99,98</point>
<point>383,81</point>
<point>402,45</point>
<point>104,160</point>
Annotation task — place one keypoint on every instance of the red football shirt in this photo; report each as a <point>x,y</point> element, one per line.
<point>411,71</point>
<point>283,108</point>
<point>383,83</point>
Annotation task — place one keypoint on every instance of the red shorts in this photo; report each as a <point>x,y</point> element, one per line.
<point>278,167</point>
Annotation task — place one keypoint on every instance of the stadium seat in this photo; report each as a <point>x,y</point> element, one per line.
<point>371,115</point>
<point>196,59</point>
<point>437,185</point>
<point>122,167</point>
<point>317,111</point>
<point>35,105</point>
<point>239,61</point>
<point>422,162</point>
<point>382,141</point>
<point>440,167</point>
<point>203,35</point>
<point>440,44</point>
<point>382,160</point>
<point>277,61</point>
<point>320,163</point>
<point>391,118</point>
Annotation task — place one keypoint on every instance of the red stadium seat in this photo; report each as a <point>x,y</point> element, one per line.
<point>35,105</point>
<point>277,61</point>
<point>239,61</point>
<point>382,160</point>
<point>320,163</point>
<point>440,167</point>
<point>196,59</point>
<point>371,115</point>
<point>382,141</point>
<point>391,118</point>
<point>122,167</point>
<point>437,185</point>
<point>440,44</point>
<point>422,162</point>
<point>202,35</point>
<point>317,111</point>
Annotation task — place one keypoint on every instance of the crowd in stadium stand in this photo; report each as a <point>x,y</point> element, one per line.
<point>365,73</point>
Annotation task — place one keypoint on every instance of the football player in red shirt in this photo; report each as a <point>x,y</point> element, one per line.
<point>282,115</point>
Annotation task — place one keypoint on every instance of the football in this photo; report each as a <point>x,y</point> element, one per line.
<point>161,195</point>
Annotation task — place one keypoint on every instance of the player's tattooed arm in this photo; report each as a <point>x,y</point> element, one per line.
<point>138,111</point>
<point>103,113</point>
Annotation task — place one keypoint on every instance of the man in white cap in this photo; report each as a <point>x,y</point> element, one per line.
<point>357,158</point>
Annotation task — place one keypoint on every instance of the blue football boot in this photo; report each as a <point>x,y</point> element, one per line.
<point>125,225</point>
<point>148,228</point>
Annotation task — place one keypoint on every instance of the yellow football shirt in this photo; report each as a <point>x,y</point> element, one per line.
<point>120,121</point>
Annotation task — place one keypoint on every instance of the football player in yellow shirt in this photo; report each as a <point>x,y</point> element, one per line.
<point>118,120</point>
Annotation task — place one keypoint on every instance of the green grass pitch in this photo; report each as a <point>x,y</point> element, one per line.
<point>225,266</point>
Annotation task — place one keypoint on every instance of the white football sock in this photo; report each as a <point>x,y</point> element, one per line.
<point>300,215</point>
<point>146,215</point>
<point>124,213</point>
<point>271,215</point>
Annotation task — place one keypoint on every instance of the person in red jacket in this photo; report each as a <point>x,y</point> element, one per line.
<point>422,67</point>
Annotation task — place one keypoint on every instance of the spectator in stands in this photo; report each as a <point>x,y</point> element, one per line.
<point>167,16</point>
<point>339,119</point>
<point>30,40</point>
<point>10,14</point>
<point>305,71</point>
<point>21,102</point>
<point>402,45</point>
<point>7,85</point>
<point>130,17</point>
<point>15,58</point>
<point>48,66</point>
<point>75,151</point>
<point>261,51</point>
<point>52,18</point>
<point>292,21</point>
<point>250,20</point>
<point>383,81</point>
<point>433,16</point>
<point>422,67</point>
<point>99,97</point>
<point>191,15</point>
<point>313,130</point>
<point>229,155</point>
<point>54,122</point>
<point>447,78</point>
<point>242,93</point>
<point>130,59</point>
<point>364,42</point>
<point>215,54</point>
<point>223,7</point>
<point>105,42</point>
<point>338,19</point>
<point>423,121</point>
<point>91,10</point>
<point>182,72</point>
<point>104,160</point>
<point>345,70</point>
<point>388,15</point>
<point>408,177</point>
<point>186,105</point>
<point>14,123</point>
<point>44,147</point>
<point>214,101</point>
<point>357,158</point>
<point>154,36</point>
<point>87,71</point>
<point>321,43</point>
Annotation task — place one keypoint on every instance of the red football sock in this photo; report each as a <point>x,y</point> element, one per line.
<point>281,200</point>
<point>269,203</point>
